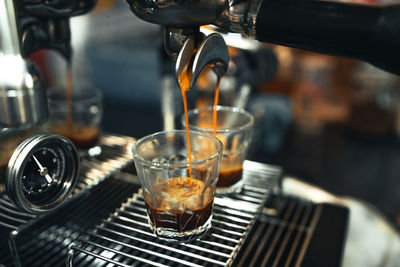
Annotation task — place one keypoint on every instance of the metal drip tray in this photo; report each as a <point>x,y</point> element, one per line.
<point>283,233</point>
<point>124,238</point>
<point>16,224</point>
<point>114,157</point>
<point>258,227</point>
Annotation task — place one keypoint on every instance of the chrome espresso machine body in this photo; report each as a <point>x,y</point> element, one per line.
<point>28,26</point>
<point>368,32</point>
<point>38,170</point>
<point>104,223</point>
<point>25,28</point>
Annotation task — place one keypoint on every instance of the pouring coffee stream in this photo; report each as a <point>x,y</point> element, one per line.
<point>191,61</point>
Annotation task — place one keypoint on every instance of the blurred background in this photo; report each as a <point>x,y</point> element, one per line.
<point>330,121</point>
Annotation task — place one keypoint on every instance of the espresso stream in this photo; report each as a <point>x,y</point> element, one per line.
<point>227,177</point>
<point>182,203</point>
<point>184,83</point>
<point>216,96</point>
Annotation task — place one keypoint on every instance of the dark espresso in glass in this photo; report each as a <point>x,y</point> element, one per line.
<point>83,137</point>
<point>182,205</point>
<point>229,177</point>
<point>179,221</point>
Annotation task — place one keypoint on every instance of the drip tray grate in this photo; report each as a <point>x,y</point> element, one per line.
<point>16,224</point>
<point>124,238</point>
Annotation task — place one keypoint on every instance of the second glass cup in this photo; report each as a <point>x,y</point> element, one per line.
<point>179,195</point>
<point>234,127</point>
<point>76,116</point>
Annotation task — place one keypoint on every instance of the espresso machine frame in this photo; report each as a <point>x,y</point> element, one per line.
<point>109,179</point>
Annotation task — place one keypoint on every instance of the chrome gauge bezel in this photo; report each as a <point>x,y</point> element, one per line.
<point>18,162</point>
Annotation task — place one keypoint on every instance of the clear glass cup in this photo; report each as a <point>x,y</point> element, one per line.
<point>76,116</point>
<point>179,196</point>
<point>234,128</point>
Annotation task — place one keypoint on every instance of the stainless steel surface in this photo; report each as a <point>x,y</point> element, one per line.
<point>64,8</point>
<point>239,16</point>
<point>22,94</point>
<point>175,38</point>
<point>180,17</point>
<point>238,41</point>
<point>174,14</point>
<point>45,33</point>
<point>9,43</point>
<point>168,102</point>
<point>212,52</point>
<point>251,18</point>
<point>25,27</point>
<point>234,16</point>
<point>45,24</point>
<point>124,238</point>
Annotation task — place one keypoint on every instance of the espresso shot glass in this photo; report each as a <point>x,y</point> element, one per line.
<point>178,194</point>
<point>76,115</point>
<point>234,128</point>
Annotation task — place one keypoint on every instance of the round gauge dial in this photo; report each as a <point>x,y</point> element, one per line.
<point>42,172</point>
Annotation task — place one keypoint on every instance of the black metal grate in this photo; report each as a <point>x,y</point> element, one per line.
<point>94,170</point>
<point>282,233</point>
<point>124,238</point>
<point>279,237</point>
<point>46,242</point>
<point>115,156</point>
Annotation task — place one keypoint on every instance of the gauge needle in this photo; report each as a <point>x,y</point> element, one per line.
<point>43,170</point>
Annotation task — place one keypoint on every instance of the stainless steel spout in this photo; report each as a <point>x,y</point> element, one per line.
<point>175,38</point>
<point>212,52</point>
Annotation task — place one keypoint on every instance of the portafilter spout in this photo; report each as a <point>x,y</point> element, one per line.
<point>212,52</point>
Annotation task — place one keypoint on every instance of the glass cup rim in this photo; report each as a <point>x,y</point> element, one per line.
<point>241,111</point>
<point>140,159</point>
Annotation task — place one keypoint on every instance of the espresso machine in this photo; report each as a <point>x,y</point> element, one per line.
<point>342,28</point>
<point>102,219</point>
<point>28,26</point>
<point>38,170</point>
<point>317,26</point>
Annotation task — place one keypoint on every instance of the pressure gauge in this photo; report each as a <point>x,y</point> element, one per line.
<point>42,172</point>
